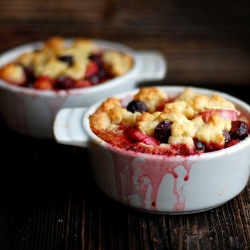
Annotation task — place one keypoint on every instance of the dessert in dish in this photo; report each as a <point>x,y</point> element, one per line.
<point>153,122</point>
<point>59,66</point>
<point>33,78</point>
<point>163,149</point>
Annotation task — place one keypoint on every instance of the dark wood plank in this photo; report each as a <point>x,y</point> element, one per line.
<point>65,210</point>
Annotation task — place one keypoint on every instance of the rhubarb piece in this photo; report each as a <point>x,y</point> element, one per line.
<point>228,114</point>
<point>133,134</point>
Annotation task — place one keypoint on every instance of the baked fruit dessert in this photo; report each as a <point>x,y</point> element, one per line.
<point>59,66</point>
<point>153,122</point>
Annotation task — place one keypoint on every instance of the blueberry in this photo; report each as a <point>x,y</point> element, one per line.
<point>162,131</point>
<point>29,72</point>
<point>239,130</point>
<point>64,82</point>
<point>67,59</point>
<point>199,145</point>
<point>137,106</point>
<point>103,74</point>
<point>97,59</point>
<point>30,76</point>
<point>226,136</point>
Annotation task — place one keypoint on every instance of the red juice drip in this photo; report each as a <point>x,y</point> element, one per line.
<point>134,175</point>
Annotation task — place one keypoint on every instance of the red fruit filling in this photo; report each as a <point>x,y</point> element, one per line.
<point>132,139</point>
<point>80,65</point>
<point>96,73</point>
<point>134,135</point>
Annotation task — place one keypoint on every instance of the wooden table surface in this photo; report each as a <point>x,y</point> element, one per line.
<point>48,199</point>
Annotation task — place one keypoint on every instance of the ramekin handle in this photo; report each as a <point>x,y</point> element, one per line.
<point>68,127</point>
<point>152,65</point>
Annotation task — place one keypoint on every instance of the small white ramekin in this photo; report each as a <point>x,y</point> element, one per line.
<point>31,112</point>
<point>159,183</point>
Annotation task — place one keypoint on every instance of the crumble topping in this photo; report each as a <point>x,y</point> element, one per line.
<point>80,64</point>
<point>191,104</point>
<point>198,123</point>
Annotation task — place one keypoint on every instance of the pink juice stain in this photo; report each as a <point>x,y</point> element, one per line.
<point>135,173</point>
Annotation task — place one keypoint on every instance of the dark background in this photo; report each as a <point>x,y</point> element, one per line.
<point>203,41</point>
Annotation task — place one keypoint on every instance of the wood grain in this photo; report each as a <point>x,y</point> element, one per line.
<point>52,202</point>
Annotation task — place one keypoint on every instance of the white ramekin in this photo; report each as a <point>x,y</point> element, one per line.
<point>31,112</point>
<point>158,183</point>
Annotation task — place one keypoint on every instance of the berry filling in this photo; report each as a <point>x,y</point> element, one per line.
<point>58,66</point>
<point>165,131</point>
<point>96,73</point>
